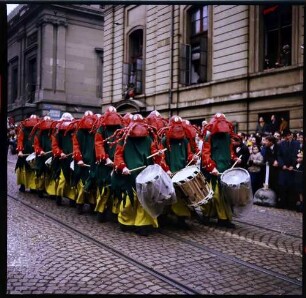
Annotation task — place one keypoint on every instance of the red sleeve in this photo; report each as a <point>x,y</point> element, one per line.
<point>56,150</point>
<point>20,139</point>
<point>99,147</point>
<point>159,159</point>
<point>119,162</point>
<point>207,163</point>
<point>77,155</point>
<point>36,145</point>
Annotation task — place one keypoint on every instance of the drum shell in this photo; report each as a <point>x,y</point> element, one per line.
<point>238,192</point>
<point>154,190</point>
<point>192,183</point>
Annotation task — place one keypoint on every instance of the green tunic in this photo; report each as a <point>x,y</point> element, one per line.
<point>28,148</point>
<point>177,156</point>
<point>86,142</point>
<point>135,155</point>
<point>45,144</point>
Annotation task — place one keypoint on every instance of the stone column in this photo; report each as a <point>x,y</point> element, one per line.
<point>61,56</point>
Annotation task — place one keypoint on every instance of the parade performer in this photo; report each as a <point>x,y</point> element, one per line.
<point>42,148</point>
<point>134,144</point>
<point>106,202</point>
<point>84,158</point>
<point>25,174</point>
<point>179,141</point>
<point>156,120</point>
<point>62,149</point>
<point>217,156</point>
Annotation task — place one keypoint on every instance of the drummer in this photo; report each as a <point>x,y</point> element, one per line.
<point>181,151</point>
<point>217,155</point>
<point>42,148</point>
<point>84,158</point>
<point>61,140</point>
<point>135,143</point>
<point>106,202</point>
<point>25,174</point>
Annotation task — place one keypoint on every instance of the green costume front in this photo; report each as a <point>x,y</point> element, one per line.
<point>176,159</point>
<point>24,173</point>
<point>221,154</point>
<point>135,155</point>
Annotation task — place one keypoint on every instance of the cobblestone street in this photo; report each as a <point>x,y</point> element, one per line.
<point>53,250</point>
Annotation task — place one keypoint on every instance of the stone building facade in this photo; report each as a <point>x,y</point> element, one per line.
<point>245,61</point>
<point>55,59</point>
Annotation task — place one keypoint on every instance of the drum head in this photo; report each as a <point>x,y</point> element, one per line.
<point>235,176</point>
<point>182,175</point>
<point>149,174</point>
<point>31,157</point>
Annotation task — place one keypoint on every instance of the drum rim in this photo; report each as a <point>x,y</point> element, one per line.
<point>184,169</point>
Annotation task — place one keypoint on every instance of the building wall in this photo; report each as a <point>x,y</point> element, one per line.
<point>68,36</point>
<point>237,86</point>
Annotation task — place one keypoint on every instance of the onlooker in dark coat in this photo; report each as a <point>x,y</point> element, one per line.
<point>241,149</point>
<point>286,156</point>
<point>274,125</point>
<point>269,153</point>
<point>298,182</point>
<point>262,127</point>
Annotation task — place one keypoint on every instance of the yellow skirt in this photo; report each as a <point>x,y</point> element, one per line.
<point>135,215</point>
<point>26,177</point>
<point>64,188</point>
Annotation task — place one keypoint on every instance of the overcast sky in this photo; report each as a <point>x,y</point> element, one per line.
<point>10,7</point>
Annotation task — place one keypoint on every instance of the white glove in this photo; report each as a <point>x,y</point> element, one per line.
<point>126,171</point>
<point>214,172</point>
<point>169,173</point>
<point>63,155</point>
<point>109,162</point>
<point>20,154</point>
<point>81,163</point>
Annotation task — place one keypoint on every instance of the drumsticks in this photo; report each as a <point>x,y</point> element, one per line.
<point>239,158</point>
<point>157,152</point>
<point>233,164</point>
<point>139,168</point>
<point>192,159</point>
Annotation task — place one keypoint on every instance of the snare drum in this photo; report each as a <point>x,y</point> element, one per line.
<point>154,190</point>
<point>31,160</point>
<point>194,186</point>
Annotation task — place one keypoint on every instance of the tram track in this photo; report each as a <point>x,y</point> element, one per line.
<point>166,278</point>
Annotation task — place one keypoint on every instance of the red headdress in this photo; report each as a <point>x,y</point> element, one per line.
<point>111,117</point>
<point>43,124</point>
<point>137,128</point>
<point>218,124</point>
<point>127,119</point>
<point>156,120</point>
<point>31,121</point>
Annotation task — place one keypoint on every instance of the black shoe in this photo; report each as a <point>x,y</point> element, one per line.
<point>92,208</point>
<point>225,223</point>
<point>181,224</point>
<point>101,217</point>
<point>58,200</point>
<point>40,193</point>
<point>204,220</point>
<point>142,231</point>
<point>72,203</point>
<point>80,208</point>
<point>32,190</point>
<point>22,188</point>
<point>125,228</point>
